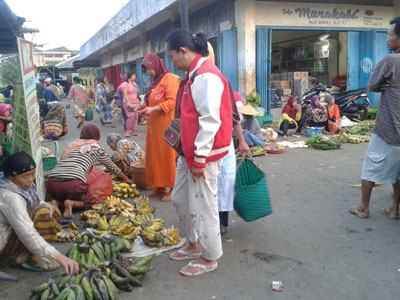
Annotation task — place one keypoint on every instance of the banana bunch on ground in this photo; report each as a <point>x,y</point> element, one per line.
<point>90,214</point>
<point>86,237</point>
<point>354,138</point>
<point>88,285</point>
<point>113,205</point>
<point>125,190</point>
<point>68,235</point>
<point>167,237</point>
<point>106,249</point>
<point>142,205</point>
<point>148,221</point>
<point>117,224</point>
<point>172,235</point>
<point>126,274</point>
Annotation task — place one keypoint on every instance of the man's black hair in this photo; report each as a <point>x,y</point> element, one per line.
<point>397,26</point>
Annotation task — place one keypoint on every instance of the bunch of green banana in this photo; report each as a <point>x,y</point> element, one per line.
<point>153,239</point>
<point>86,237</point>
<point>106,249</point>
<point>125,277</point>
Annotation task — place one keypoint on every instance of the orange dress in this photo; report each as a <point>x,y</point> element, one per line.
<point>160,157</point>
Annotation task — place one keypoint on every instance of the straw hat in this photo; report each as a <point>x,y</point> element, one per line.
<point>248,110</point>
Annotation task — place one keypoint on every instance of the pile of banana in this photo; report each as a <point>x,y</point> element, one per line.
<point>125,190</point>
<point>68,235</point>
<point>91,284</point>
<point>142,205</point>
<point>117,224</point>
<point>102,282</point>
<point>167,237</point>
<point>90,252</point>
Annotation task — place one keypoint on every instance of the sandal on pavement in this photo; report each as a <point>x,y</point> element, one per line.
<point>355,210</point>
<point>37,268</point>
<point>386,212</point>
<point>202,269</point>
<point>182,254</point>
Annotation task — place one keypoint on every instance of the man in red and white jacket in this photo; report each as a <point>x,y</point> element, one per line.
<point>206,132</point>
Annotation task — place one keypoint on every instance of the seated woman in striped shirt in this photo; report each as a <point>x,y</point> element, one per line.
<point>67,182</point>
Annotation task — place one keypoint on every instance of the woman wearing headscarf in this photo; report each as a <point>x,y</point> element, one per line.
<point>105,100</point>
<point>291,117</point>
<point>160,108</point>
<point>333,114</point>
<point>131,104</point>
<point>26,223</point>
<point>125,152</point>
<point>53,119</point>
<point>119,98</point>
<point>67,182</point>
<point>316,114</point>
<point>78,96</point>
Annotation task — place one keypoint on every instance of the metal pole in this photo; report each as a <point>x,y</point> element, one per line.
<point>184,15</point>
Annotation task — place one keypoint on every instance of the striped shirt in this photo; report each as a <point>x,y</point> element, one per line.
<point>76,165</point>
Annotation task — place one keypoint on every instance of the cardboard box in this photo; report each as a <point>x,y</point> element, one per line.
<point>284,76</point>
<point>284,98</point>
<point>275,84</point>
<point>286,92</point>
<point>285,84</point>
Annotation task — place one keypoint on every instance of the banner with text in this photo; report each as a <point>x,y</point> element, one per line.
<point>322,15</point>
<point>26,120</point>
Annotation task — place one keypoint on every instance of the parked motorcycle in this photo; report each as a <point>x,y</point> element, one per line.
<point>353,104</point>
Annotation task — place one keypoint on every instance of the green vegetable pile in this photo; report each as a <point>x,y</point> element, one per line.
<point>358,130</point>
<point>320,143</point>
<point>257,150</point>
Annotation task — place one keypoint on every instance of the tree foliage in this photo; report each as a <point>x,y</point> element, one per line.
<point>10,70</point>
<point>89,71</point>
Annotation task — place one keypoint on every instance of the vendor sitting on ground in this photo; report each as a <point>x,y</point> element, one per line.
<point>125,152</point>
<point>315,115</point>
<point>291,117</point>
<point>53,119</point>
<point>67,182</point>
<point>333,115</point>
<point>251,129</point>
<point>25,223</point>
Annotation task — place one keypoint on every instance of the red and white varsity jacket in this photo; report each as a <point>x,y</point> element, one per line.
<point>206,114</point>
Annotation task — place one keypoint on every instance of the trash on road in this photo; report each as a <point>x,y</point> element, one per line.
<point>277,286</point>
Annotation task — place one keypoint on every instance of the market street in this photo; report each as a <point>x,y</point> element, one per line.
<point>310,242</point>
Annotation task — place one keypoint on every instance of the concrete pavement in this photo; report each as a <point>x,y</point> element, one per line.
<point>310,242</point>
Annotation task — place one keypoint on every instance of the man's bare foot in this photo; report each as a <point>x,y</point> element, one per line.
<point>67,209</point>
<point>23,257</point>
<point>390,213</point>
<point>359,212</point>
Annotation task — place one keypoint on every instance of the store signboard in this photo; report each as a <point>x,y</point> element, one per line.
<point>322,15</point>
<point>26,121</point>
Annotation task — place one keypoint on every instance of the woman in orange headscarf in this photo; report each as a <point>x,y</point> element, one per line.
<point>160,109</point>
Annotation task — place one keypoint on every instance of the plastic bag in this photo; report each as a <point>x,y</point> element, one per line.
<point>100,184</point>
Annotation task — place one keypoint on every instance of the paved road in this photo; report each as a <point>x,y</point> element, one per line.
<point>311,243</point>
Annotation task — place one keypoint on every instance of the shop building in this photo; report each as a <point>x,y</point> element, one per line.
<point>258,44</point>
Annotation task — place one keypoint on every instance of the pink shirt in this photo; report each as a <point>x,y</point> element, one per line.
<point>131,93</point>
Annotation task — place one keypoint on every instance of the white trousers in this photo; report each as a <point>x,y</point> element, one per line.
<point>197,207</point>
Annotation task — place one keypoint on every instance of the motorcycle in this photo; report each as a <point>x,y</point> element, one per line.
<point>353,104</point>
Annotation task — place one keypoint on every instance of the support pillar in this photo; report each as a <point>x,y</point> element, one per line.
<point>245,15</point>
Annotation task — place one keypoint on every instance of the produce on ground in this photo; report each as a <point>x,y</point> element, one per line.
<point>257,150</point>
<point>323,143</point>
<point>68,235</point>
<point>102,282</point>
<point>124,190</point>
<point>354,139</point>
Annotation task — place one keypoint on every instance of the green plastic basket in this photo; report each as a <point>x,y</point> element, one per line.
<point>49,163</point>
<point>252,199</point>
<point>260,121</point>
<point>268,119</point>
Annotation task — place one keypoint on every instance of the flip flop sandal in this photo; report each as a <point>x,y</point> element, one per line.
<point>387,213</point>
<point>357,212</point>
<point>203,269</point>
<point>184,255</point>
<point>37,267</point>
<point>67,220</point>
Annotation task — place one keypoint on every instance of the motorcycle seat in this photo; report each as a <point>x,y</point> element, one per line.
<point>341,96</point>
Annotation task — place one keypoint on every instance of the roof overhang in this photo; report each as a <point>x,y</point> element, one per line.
<point>10,29</point>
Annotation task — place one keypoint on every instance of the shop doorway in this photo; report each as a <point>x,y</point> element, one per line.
<point>290,61</point>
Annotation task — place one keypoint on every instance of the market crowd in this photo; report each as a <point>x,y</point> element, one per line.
<point>194,168</point>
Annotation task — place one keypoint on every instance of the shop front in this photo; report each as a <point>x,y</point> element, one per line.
<point>298,44</point>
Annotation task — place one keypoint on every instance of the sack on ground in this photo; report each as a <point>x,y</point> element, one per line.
<point>100,184</point>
